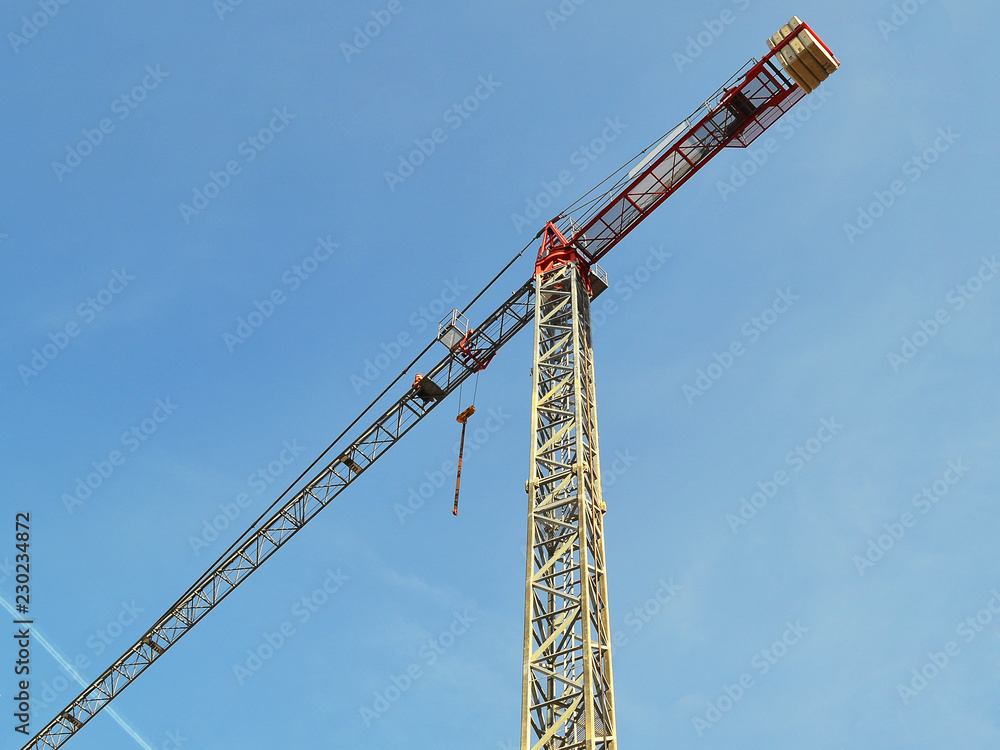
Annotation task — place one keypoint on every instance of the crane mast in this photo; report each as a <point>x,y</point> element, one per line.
<point>567,689</point>
<point>567,695</point>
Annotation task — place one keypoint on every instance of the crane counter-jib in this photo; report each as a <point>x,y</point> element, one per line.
<point>741,114</point>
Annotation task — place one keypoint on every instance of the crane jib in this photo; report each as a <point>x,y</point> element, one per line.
<point>264,540</point>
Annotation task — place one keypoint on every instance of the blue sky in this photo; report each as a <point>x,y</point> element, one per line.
<point>851,256</point>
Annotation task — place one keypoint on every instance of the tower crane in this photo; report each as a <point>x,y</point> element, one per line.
<point>567,690</point>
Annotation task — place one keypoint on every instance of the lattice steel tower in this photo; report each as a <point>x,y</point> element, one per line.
<point>567,693</point>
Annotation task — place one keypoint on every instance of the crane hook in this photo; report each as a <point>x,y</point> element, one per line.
<point>463,418</point>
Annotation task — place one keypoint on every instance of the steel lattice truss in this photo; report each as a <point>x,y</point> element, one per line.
<point>568,698</point>
<point>260,543</point>
<point>763,95</point>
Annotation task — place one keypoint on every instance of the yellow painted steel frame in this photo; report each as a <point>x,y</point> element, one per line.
<point>567,693</point>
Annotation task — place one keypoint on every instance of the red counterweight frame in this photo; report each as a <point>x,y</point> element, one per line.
<point>744,110</point>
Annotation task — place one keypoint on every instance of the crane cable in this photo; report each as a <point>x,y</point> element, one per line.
<point>219,560</point>
<point>581,202</point>
<point>405,370</point>
<point>575,204</point>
